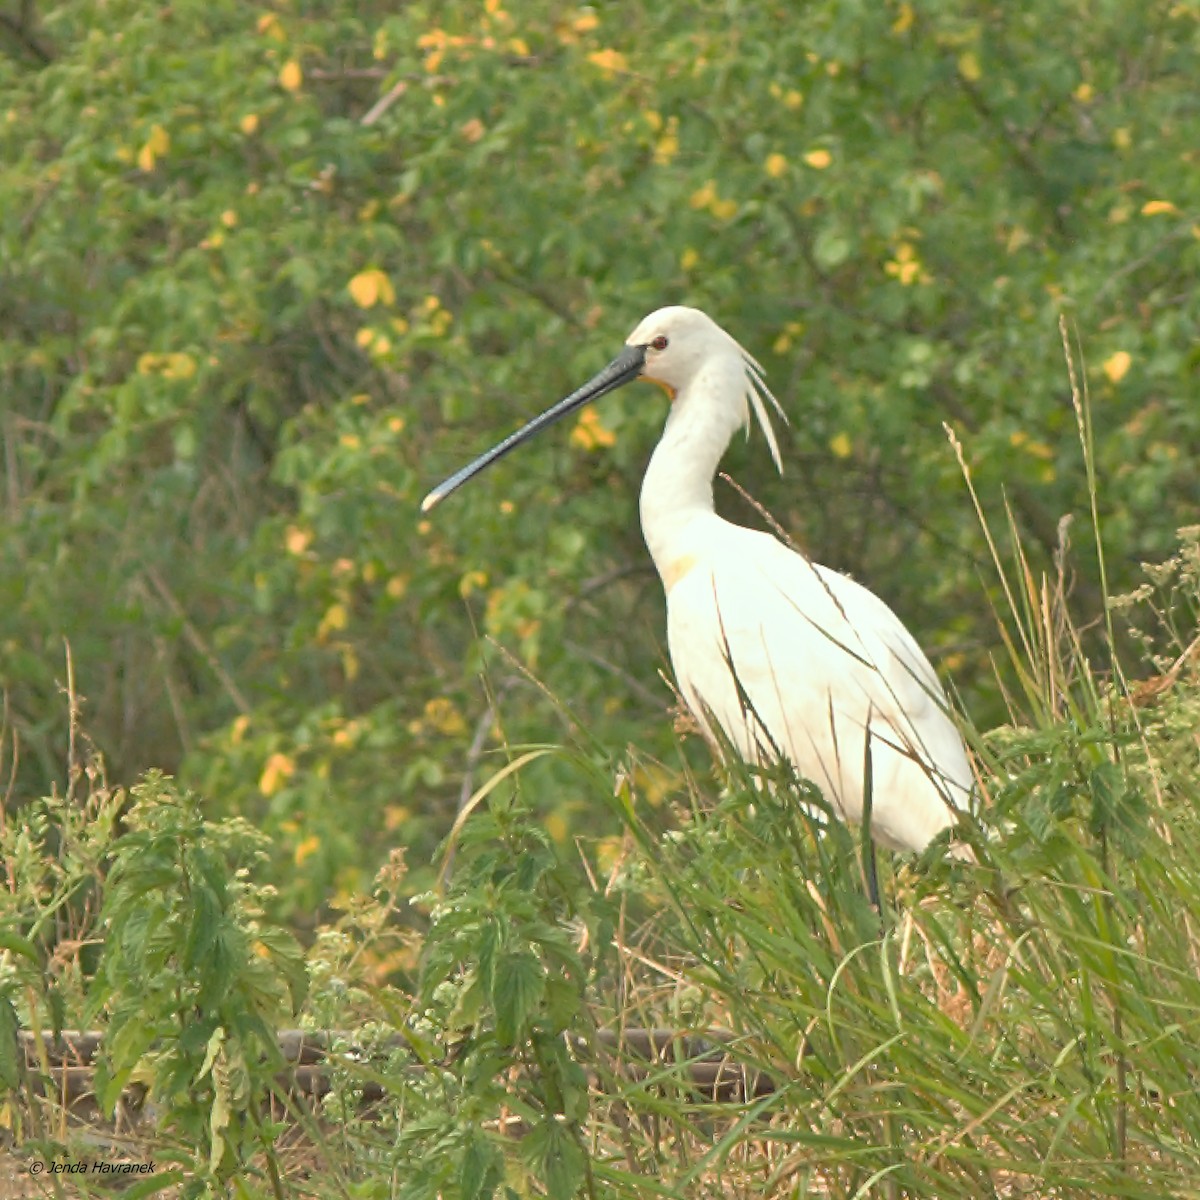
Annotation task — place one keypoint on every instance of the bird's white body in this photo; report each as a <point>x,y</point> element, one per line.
<point>789,658</point>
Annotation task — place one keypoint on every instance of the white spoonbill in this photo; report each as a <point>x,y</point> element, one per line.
<point>789,658</point>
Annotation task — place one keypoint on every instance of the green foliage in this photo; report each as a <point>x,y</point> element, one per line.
<point>192,983</point>
<point>54,859</point>
<point>514,943</point>
<point>264,277</point>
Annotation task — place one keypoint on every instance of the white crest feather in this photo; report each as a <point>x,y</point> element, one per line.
<point>756,392</point>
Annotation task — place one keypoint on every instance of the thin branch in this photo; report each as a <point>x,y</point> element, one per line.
<point>18,30</point>
<point>197,641</point>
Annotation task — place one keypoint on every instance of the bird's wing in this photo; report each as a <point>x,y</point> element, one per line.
<point>818,659</point>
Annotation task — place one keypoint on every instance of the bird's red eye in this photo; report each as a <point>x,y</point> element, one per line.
<point>659,343</point>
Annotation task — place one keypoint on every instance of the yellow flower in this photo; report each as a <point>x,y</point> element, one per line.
<point>907,267</point>
<point>1116,366</point>
<point>156,145</point>
<point>297,540</point>
<point>291,77</point>
<point>589,433</point>
<point>609,61</point>
<point>776,165</point>
<point>371,287</point>
<point>307,848</point>
<point>818,159</point>
<point>278,768</point>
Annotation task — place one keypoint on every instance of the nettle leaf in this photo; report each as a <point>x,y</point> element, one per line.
<point>553,1153</point>
<point>482,1168</point>
<point>10,1052</point>
<point>517,991</point>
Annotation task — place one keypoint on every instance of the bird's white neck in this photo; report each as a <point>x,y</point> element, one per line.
<point>677,488</point>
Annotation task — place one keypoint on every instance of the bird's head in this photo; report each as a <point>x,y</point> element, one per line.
<point>680,345</point>
<point>673,347</point>
<point>676,342</point>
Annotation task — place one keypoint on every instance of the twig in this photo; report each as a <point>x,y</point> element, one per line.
<point>73,771</point>
<point>197,641</point>
<point>19,32</point>
<point>384,103</point>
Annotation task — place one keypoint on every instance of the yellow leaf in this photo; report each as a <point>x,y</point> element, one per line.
<point>441,715</point>
<point>472,581</point>
<point>968,67</point>
<point>608,60</point>
<point>178,366</point>
<point>1122,138</point>
<point>841,445</point>
<point>818,159</point>
<point>1116,366</point>
<point>1084,93</point>
<point>703,197</point>
<point>291,77</point>
<point>238,730</point>
<point>278,768</point>
<point>589,433</point>
<point>724,209</point>
<point>156,145</point>
<point>397,586</point>
<point>1154,207</point>
<point>904,19</point>
<point>350,441</point>
<point>793,99</point>
<point>668,145</point>
<point>371,287</point>
<point>776,165</point>
<point>249,124</point>
<point>270,26</point>
<point>1017,237</point>
<point>307,848</point>
<point>297,540</point>
<point>336,617</point>
<point>688,259</point>
<point>585,22</point>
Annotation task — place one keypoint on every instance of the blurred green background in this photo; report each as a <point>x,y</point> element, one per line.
<point>268,273</point>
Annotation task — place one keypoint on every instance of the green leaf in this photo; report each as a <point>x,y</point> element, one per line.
<point>517,990</point>
<point>10,1050</point>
